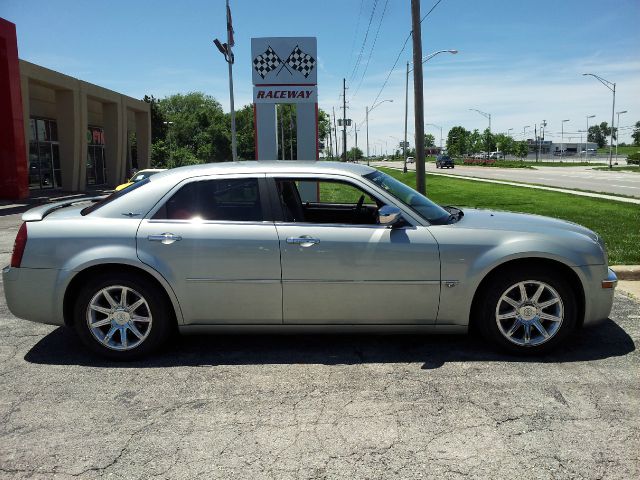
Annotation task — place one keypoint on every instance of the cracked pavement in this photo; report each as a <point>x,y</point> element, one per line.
<point>326,406</point>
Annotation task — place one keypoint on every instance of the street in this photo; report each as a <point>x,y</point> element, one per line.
<point>326,406</point>
<point>581,178</point>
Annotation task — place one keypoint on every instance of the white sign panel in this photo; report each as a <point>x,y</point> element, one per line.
<point>284,60</point>
<point>285,94</point>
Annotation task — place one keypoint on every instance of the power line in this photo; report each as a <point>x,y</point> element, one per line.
<point>404,45</point>
<point>355,34</point>
<point>364,42</point>
<point>373,46</point>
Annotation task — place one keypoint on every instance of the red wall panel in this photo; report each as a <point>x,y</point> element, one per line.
<point>13,162</point>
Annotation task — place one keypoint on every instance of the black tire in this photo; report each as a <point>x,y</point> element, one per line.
<point>499,285</point>
<point>157,305</point>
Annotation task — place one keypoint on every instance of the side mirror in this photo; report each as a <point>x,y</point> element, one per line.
<point>389,216</point>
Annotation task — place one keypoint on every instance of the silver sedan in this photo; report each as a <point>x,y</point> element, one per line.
<point>299,246</point>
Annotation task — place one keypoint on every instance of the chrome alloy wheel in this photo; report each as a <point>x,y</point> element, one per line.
<point>119,317</point>
<point>529,313</point>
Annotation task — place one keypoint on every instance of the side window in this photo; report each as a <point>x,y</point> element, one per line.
<point>326,201</point>
<point>236,199</point>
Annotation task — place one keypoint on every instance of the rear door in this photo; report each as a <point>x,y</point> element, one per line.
<point>213,244</point>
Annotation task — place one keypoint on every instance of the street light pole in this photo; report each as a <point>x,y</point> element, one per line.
<point>618,133</point>
<point>509,130</point>
<point>586,141</point>
<point>406,97</point>
<point>524,131</point>
<point>368,110</point>
<point>406,109</point>
<point>226,50</point>
<point>611,86</point>
<point>562,143</point>
<point>484,114</point>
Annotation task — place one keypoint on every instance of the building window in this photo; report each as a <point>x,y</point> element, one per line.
<point>96,163</point>
<point>44,154</point>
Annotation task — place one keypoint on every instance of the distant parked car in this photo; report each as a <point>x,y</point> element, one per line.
<point>444,161</point>
<point>411,160</point>
<point>480,155</point>
<point>496,155</point>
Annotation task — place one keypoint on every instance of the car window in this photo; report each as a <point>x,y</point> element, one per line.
<point>113,196</point>
<point>326,201</point>
<point>236,199</point>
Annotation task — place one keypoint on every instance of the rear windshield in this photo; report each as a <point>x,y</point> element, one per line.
<point>113,196</point>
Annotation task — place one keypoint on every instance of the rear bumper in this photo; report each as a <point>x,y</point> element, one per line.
<point>30,294</point>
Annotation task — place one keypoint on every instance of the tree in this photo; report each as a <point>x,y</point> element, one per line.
<point>354,154</point>
<point>600,133</point>
<point>429,140</point>
<point>476,142</point>
<point>521,149</point>
<point>636,134</point>
<point>458,141</point>
<point>158,126</point>
<point>245,133</point>
<point>504,143</point>
<point>488,140</point>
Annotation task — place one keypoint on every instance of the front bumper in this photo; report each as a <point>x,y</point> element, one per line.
<point>30,294</point>
<point>599,293</point>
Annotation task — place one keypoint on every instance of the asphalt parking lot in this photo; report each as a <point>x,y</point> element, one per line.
<point>319,406</point>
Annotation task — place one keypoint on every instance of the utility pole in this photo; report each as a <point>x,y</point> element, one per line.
<point>330,142</point>
<point>335,131</point>
<point>291,134</point>
<point>418,95</point>
<point>344,119</point>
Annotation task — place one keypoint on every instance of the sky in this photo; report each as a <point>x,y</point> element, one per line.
<point>521,61</point>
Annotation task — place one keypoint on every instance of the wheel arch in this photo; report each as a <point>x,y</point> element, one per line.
<point>116,268</point>
<point>565,270</point>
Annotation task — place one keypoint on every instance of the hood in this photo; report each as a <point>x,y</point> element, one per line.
<point>520,222</point>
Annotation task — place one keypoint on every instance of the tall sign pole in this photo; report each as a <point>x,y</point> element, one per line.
<point>418,96</point>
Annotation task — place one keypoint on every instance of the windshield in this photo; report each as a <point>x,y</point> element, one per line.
<point>113,196</point>
<point>411,198</point>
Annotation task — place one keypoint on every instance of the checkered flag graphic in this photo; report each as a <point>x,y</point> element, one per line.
<point>300,61</point>
<point>267,61</point>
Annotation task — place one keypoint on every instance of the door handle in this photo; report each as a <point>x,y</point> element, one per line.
<point>303,241</point>
<point>164,238</point>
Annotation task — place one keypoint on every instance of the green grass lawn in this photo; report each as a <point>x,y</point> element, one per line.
<point>618,223</point>
<point>621,150</point>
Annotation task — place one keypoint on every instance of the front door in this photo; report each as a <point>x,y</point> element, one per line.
<point>350,270</point>
<point>211,243</point>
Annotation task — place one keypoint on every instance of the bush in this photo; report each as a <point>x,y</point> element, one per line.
<point>633,158</point>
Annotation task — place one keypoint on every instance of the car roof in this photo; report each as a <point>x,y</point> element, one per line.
<point>286,166</point>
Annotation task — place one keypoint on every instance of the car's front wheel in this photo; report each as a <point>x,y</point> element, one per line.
<point>528,312</point>
<point>122,317</point>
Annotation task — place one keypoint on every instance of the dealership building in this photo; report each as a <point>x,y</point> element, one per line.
<point>59,132</point>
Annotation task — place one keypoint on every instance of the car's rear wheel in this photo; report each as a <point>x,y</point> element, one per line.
<point>122,317</point>
<point>528,312</point>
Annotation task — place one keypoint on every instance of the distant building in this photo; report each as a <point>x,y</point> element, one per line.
<point>548,147</point>
<point>75,135</point>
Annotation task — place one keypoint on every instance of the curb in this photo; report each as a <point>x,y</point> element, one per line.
<point>626,272</point>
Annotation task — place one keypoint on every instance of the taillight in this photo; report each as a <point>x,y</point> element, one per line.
<point>18,246</point>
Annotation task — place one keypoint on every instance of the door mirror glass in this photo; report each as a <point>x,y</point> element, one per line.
<point>389,216</point>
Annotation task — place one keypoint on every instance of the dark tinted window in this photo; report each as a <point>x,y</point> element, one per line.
<point>234,199</point>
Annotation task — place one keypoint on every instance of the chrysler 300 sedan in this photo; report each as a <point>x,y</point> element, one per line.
<point>299,246</point>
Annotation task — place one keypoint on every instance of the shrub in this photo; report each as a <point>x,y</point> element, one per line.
<point>633,158</point>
